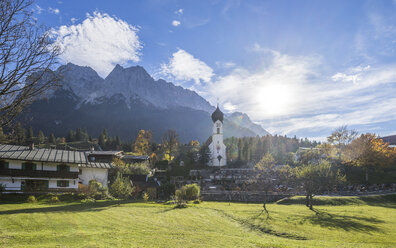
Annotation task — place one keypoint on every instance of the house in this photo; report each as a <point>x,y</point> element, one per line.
<point>103,156</point>
<point>109,156</point>
<point>135,159</point>
<point>391,140</point>
<point>30,169</point>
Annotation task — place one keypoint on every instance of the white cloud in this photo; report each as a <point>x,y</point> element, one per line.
<point>183,66</point>
<point>73,20</point>
<point>175,23</point>
<point>179,11</point>
<point>100,41</point>
<point>225,65</point>
<point>37,9</point>
<point>292,94</point>
<point>53,10</point>
<point>353,75</point>
<point>271,91</point>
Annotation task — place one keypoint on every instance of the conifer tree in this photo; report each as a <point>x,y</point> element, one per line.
<point>52,139</point>
<point>40,137</point>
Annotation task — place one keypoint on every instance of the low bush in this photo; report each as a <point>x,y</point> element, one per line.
<point>82,196</point>
<point>31,199</point>
<point>121,187</point>
<point>88,200</point>
<point>186,193</point>
<point>146,197</point>
<point>54,199</point>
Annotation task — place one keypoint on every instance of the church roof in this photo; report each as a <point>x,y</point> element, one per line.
<point>217,115</point>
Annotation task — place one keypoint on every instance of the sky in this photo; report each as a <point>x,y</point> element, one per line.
<point>299,68</point>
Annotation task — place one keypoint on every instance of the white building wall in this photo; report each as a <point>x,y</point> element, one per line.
<point>98,174</point>
<point>12,164</point>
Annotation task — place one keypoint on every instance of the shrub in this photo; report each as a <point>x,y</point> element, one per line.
<point>186,193</point>
<point>94,187</point>
<point>121,188</point>
<point>180,198</point>
<point>146,196</point>
<point>54,199</point>
<point>82,196</point>
<point>32,199</point>
<point>192,191</point>
<point>88,200</point>
<point>97,191</point>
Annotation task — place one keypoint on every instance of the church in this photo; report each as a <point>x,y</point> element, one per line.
<point>216,146</point>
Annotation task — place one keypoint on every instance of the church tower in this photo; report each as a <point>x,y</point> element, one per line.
<point>217,147</point>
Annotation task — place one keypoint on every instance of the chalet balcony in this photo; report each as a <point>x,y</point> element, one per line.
<point>38,173</point>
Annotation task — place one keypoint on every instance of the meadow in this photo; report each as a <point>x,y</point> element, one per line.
<point>336,222</point>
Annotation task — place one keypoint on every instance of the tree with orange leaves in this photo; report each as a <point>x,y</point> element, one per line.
<point>369,152</point>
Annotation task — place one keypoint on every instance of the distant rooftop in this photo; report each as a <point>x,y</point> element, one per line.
<point>114,153</point>
<point>389,139</point>
<point>25,153</point>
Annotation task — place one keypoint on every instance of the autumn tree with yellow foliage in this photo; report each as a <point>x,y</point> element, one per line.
<point>142,145</point>
<point>370,153</point>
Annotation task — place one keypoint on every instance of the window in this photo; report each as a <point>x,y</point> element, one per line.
<point>28,166</point>
<point>4,164</point>
<point>63,168</point>
<point>63,183</point>
<point>218,130</point>
<point>79,171</point>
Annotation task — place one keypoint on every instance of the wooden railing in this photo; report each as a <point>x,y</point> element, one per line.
<point>38,173</point>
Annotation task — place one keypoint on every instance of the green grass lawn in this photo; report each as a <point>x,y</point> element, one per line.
<point>339,222</point>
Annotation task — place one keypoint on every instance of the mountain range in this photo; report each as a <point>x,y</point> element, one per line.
<point>124,102</point>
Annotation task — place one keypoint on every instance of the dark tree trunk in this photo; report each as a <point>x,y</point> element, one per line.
<point>307,200</point>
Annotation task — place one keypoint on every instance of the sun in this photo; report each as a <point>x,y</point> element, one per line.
<point>274,99</point>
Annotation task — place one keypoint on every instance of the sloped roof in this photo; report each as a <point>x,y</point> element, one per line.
<point>132,157</point>
<point>49,155</point>
<point>390,139</point>
<point>114,153</point>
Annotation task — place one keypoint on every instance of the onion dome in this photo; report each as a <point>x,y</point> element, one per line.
<point>217,115</point>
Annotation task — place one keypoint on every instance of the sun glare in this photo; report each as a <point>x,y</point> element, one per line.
<point>274,100</point>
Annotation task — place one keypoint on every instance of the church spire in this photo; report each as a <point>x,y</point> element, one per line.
<point>217,115</point>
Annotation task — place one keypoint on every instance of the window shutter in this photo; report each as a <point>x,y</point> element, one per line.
<point>46,184</point>
<point>23,166</point>
<point>58,183</point>
<point>34,166</point>
<point>57,168</point>
<point>68,168</point>
<point>6,165</point>
<point>67,184</point>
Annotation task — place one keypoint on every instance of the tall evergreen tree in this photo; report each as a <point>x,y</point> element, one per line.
<point>30,135</point>
<point>52,139</point>
<point>102,141</point>
<point>3,137</point>
<point>20,134</point>
<point>71,136</point>
<point>40,137</point>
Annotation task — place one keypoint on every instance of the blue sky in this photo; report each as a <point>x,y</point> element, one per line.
<point>296,67</point>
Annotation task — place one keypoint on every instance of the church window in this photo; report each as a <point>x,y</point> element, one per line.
<point>218,130</point>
